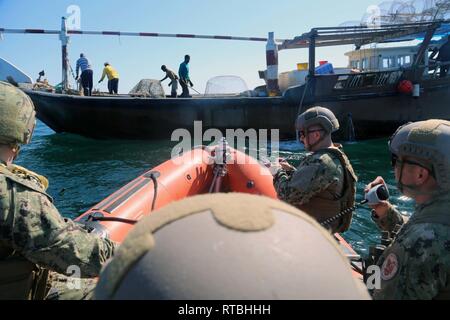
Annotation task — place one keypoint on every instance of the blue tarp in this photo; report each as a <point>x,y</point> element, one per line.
<point>443,31</point>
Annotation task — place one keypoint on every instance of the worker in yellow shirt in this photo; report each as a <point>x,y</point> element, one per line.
<point>113,78</point>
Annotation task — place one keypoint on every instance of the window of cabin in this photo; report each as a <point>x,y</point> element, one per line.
<point>392,63</point>
<point>404,60</point>
<point>365,63</point>
<point>354,64</point>
<point>407,60</point>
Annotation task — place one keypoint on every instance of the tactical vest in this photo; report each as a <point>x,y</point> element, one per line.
<point>434,213</point>
<point>323,205</point>
<point>19,278</point>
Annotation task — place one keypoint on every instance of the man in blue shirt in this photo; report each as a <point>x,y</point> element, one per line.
<point>183,73</point>
<point>86,74</point>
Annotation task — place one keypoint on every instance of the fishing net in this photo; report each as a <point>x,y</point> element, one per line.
<point>226,85</point>
<point>148,88</point>
<point>403,11</point>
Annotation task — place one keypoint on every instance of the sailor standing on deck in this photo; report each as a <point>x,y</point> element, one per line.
<point>113,78</point>
<point>37,246</point>
<point>185,81</point>
<point>417,263</point>
<point>324,183</point>
<point>173,80</point>
<point>87,75</point>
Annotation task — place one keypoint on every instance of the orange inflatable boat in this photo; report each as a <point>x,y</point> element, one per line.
<point>199,171</point>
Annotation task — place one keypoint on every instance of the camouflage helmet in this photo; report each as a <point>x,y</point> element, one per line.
<point>429,143</point>
<point>318,116</point>
<point>229,246</point>
<point>17,115</point>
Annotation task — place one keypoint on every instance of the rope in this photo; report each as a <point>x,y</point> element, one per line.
<point>71,71</point>
<point>303,98</point>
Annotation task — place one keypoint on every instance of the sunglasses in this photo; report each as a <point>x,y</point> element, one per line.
<point>301,133</point>
<point>395,160</point>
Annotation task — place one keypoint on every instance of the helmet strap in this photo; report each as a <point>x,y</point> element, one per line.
<point>16,148</point>
<point>412,189</point>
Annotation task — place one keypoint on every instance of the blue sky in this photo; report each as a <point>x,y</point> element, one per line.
<point>136,58</point>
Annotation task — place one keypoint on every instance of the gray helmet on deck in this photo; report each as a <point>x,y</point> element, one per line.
<point>318,116</point>
<point>429,143</point>
<point>229,246</point>
<point>17,115</point>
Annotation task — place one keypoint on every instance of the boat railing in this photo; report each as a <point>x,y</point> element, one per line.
<point>368,79</point>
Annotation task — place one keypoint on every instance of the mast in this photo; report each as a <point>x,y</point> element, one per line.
<point>311,80</point>
<point>64,54</point>
<point>312,53</point>
<point>272,66</point>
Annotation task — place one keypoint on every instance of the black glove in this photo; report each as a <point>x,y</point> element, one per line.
<point>191,83</point>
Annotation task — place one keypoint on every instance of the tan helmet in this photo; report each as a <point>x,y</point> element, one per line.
<point>428,142</point>
<point>17,115</point>
<point>318,116</point>
<point>229,246</point>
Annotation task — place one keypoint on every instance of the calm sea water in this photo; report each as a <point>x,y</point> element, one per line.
<point>83,171</point>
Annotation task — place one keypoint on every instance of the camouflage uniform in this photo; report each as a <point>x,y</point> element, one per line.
<point>32,229</point>
<point>417,264</point>
<point>34,238</point>
<point>323,185</point>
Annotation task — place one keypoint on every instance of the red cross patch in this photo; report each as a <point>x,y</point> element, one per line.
<point>390,267</point>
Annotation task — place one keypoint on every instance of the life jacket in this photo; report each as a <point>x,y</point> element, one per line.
<point>20,279</point>
<point>324,205</point>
